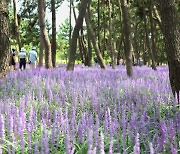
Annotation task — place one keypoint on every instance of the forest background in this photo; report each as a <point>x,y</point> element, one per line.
<point>147,38</point>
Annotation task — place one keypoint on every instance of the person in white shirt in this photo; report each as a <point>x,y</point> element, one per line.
<point>22,59</point>
<point>33,57</point>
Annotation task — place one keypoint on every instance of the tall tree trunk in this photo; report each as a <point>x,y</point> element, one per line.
<point>89,52</point>
<point>84,49</point>
<point>81,42</point>
<point>111,40</point>
<point>17,26</point>
<point>144,50</point>
<point>75,35</point>
<point>127,36</point>
<point>104,35</point>
<point>170,23</point>
<point>148,41</point>
<point>152,24</point>
<point>53,44</point>
<point>121,40</point>
<point>98,10</point>
<point>70,24</point>
<point>74,12</point>
<point>80,49</point>
<point>47,44</point>
<point>4,38</point>
<point>93,39</point>
<point>157,18</point>
<point>119,55</point>
<point>136,46</point>
<point>41,52</point>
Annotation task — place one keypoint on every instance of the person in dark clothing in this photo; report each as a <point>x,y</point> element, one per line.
<point>12,59</point>
<point>96,60</point>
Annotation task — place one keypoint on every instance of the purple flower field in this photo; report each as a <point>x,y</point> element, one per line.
<point>88,111</point>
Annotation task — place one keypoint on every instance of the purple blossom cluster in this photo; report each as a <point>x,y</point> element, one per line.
<point>88,111</point>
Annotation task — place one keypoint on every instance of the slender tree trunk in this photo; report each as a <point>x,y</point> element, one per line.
<point>148,42</point>
<point>80,49</point>
<point>104,36</point>
<point>119,56</point>
<point>136,46</point>
<point>41,52</point>
<point>75,34</point>
<point>114,40</point>
<point>53,44</point>
<point>170,22</point>
<point>98,10</point>
<point>74,12</point>
<point>4,38</point>
<point>144,50</point>
<point>89,52</point>
<point>70,24</point>
<point>152,24</point>
<point>47,44</point>
<point>111,40</point>
<point>81,43</point>
<point>17,26</point>
<point>157,17</point>
<point>84,49</point>
<point>127,36</point>
<point>93,39</point>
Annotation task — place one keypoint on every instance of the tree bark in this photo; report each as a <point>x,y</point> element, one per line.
<point>75,35</point>
<point>119,55</point>
<point>170,24</point>
<point>17,26</point>
<point>111,39</point>
<point>47,44</point>
<point>84,49</point>
<point>144,50</point>
<point>152,25</point>
<point>74,12</point>
<point>80,49</point>
<point>93,39</point>
<point>121,40</point>
<point>127,36</point>
<point>136,46</point>
<point>157,18</point>
<point>53,44</point>
<point>41,52</point>
<point>98,10</point>
<point>151,55</point>
<point>89,52</point>
<point>104,32</point>
<point>70,24</point>
<point>4,38</point>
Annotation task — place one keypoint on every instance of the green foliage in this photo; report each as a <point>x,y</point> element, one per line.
<point>63,41</point>
<point>30,32</point>
<point>28,23</point>
<point>57,3</point>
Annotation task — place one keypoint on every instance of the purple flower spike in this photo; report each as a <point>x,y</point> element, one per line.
<point>137,145</point>
<point>151,148</point>
<point>102,144</point>
<point>90,141</point>
<point>111,146</point>
<point>67,143</point>
<point>2,131</point>
<point>173,150</point>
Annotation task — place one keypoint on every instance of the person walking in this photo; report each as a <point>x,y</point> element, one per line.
<point>33,57</point>
<point>22,59</point>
